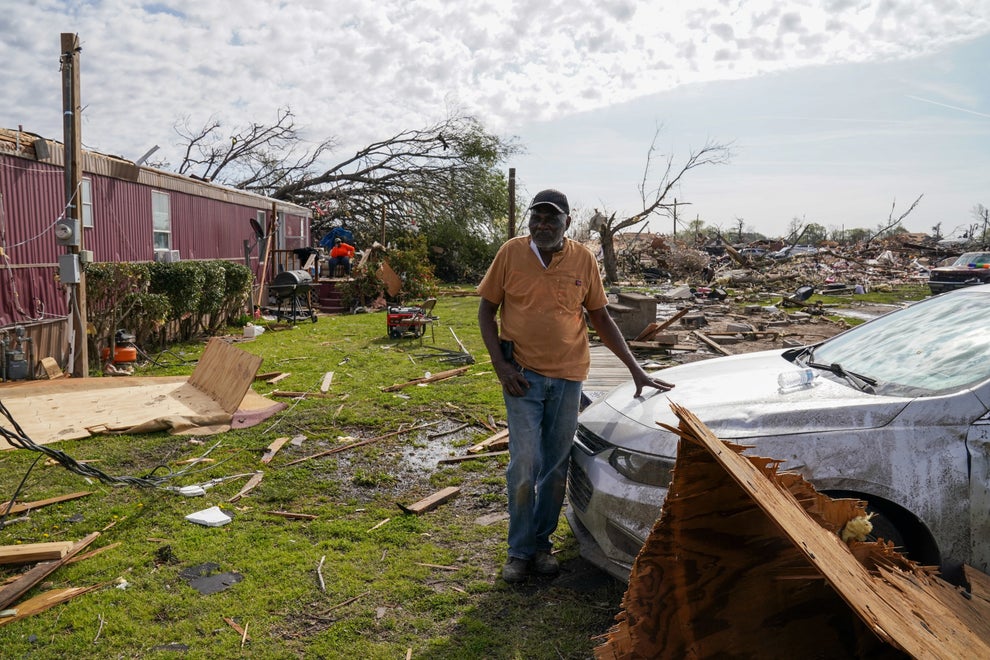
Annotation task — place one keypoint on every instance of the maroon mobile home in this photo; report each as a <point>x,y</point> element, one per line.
<point>129,213</point>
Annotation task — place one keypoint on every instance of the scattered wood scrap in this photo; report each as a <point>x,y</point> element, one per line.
<point>28,553</point>
<point>46,600</point>
<point>294,516</point>
<point>281,376</point>
<point>325,384</point>
<point>470,457</point>
<point>299,395</point>
<point>497,442</point>
<point>242,631</point>
<point>23,583</point>
<point>248,487</point>
<point>273,449</point>
<point>361,443</point>
<point>28,506</point>
<point>431,502</point>
<point>711,343</point>
<point>650,331</point>
<point>443,375</point>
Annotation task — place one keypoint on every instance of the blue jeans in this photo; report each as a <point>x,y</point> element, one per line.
<point>541,429</point>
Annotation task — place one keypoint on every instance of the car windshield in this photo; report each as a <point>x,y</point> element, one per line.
<point>929,348</point>
<point>975,258</point>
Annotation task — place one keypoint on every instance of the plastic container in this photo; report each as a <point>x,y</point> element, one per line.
<point>796,379</point>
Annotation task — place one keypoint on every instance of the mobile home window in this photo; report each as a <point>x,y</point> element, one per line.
<point>87,203</point>
<point>162,221</point>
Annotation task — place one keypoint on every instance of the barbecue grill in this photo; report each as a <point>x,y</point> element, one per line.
<point>293,287</point>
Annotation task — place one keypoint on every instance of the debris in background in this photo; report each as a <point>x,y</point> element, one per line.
<point>248,487</point>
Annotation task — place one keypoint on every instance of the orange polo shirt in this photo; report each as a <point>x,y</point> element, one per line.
<point>541,309</point>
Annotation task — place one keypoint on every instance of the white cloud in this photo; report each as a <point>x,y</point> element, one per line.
<point>362,71</point>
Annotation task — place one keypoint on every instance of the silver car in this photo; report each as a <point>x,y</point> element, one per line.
<point>895,413</point>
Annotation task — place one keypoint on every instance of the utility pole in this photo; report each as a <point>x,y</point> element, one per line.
<point>69,230</point>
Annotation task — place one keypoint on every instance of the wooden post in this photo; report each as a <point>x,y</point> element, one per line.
<point>383,224</point>
<point>72,130</point>
<point>264,259</point>
<point>512,202</point>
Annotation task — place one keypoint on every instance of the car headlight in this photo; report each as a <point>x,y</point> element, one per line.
<point>641,468</point>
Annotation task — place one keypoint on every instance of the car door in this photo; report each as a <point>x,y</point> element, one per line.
<point>978,446</point>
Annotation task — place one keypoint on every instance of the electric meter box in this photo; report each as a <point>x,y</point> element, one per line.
<point>68,268</point>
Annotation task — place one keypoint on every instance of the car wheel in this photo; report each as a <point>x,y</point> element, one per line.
<point>900,527</point>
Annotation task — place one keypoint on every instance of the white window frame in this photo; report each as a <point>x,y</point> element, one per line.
<point>161,221</point>
<point>86,203</point>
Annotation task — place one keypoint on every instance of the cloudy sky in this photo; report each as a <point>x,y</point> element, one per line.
<point>840,112</point>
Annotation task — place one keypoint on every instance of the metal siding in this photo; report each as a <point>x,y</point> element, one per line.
<point>31,195</point>
<point>208,221</point>
<point>121,221</point>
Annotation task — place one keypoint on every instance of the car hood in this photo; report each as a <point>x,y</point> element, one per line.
<point>738,398</point>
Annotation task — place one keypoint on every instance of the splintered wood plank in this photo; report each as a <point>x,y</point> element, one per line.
<point>46,600</point>
<point>470,457</point>
<point>248,487</point>
<point>327,379</point>
<point>498,441</point>
<point>32,552</point>
<point>431,502</point>
<point>747,562</point>
<point>23,583</point>
<point>273,449</point>
<point>37,504</point>
<point>225,373</point>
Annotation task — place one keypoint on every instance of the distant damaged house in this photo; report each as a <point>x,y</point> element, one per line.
<point>129,213</point>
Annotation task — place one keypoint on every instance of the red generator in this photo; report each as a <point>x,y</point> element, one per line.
<point>406,322</point>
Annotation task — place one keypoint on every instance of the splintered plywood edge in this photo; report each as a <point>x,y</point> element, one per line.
<point>225,373</point>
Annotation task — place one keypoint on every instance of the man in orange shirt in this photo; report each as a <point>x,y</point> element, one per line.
<point>340,254</point>
<point>539,286</point>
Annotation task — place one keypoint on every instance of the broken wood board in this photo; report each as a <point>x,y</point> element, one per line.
<point>46,600</point>
<point>498,441</point>
<point>443,375</point>
<point>273,449</point>
<point>327,380</point>
<point>27,553</point>
<point>51,368</point>
<point>471,457</point>
<point>11,592</point>
<point>431,502</point>
<point>225,373</point>
<point>248,487</point>
<point>745,561</point>
<point>657,346</point>
<point>207,402</point>
<point>37,504</point>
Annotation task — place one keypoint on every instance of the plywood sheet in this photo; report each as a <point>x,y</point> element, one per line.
<point>73,408</point>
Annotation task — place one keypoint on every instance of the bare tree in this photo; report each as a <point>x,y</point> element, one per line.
<point>415,179</point>
<point>654,191</point>
<point>892,222</point>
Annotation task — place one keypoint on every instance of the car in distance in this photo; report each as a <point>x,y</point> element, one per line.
<point>896,415</point>
<point>968,269</point>
<point>793,251</point>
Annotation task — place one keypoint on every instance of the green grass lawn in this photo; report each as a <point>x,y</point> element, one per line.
<point>391,582</point>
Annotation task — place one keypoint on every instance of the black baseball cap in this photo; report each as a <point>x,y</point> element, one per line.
<point>554,198</point>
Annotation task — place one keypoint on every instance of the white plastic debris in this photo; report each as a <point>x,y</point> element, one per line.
<point>212,517</point>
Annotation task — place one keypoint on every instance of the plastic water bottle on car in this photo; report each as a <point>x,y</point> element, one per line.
<point>796,379</point>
